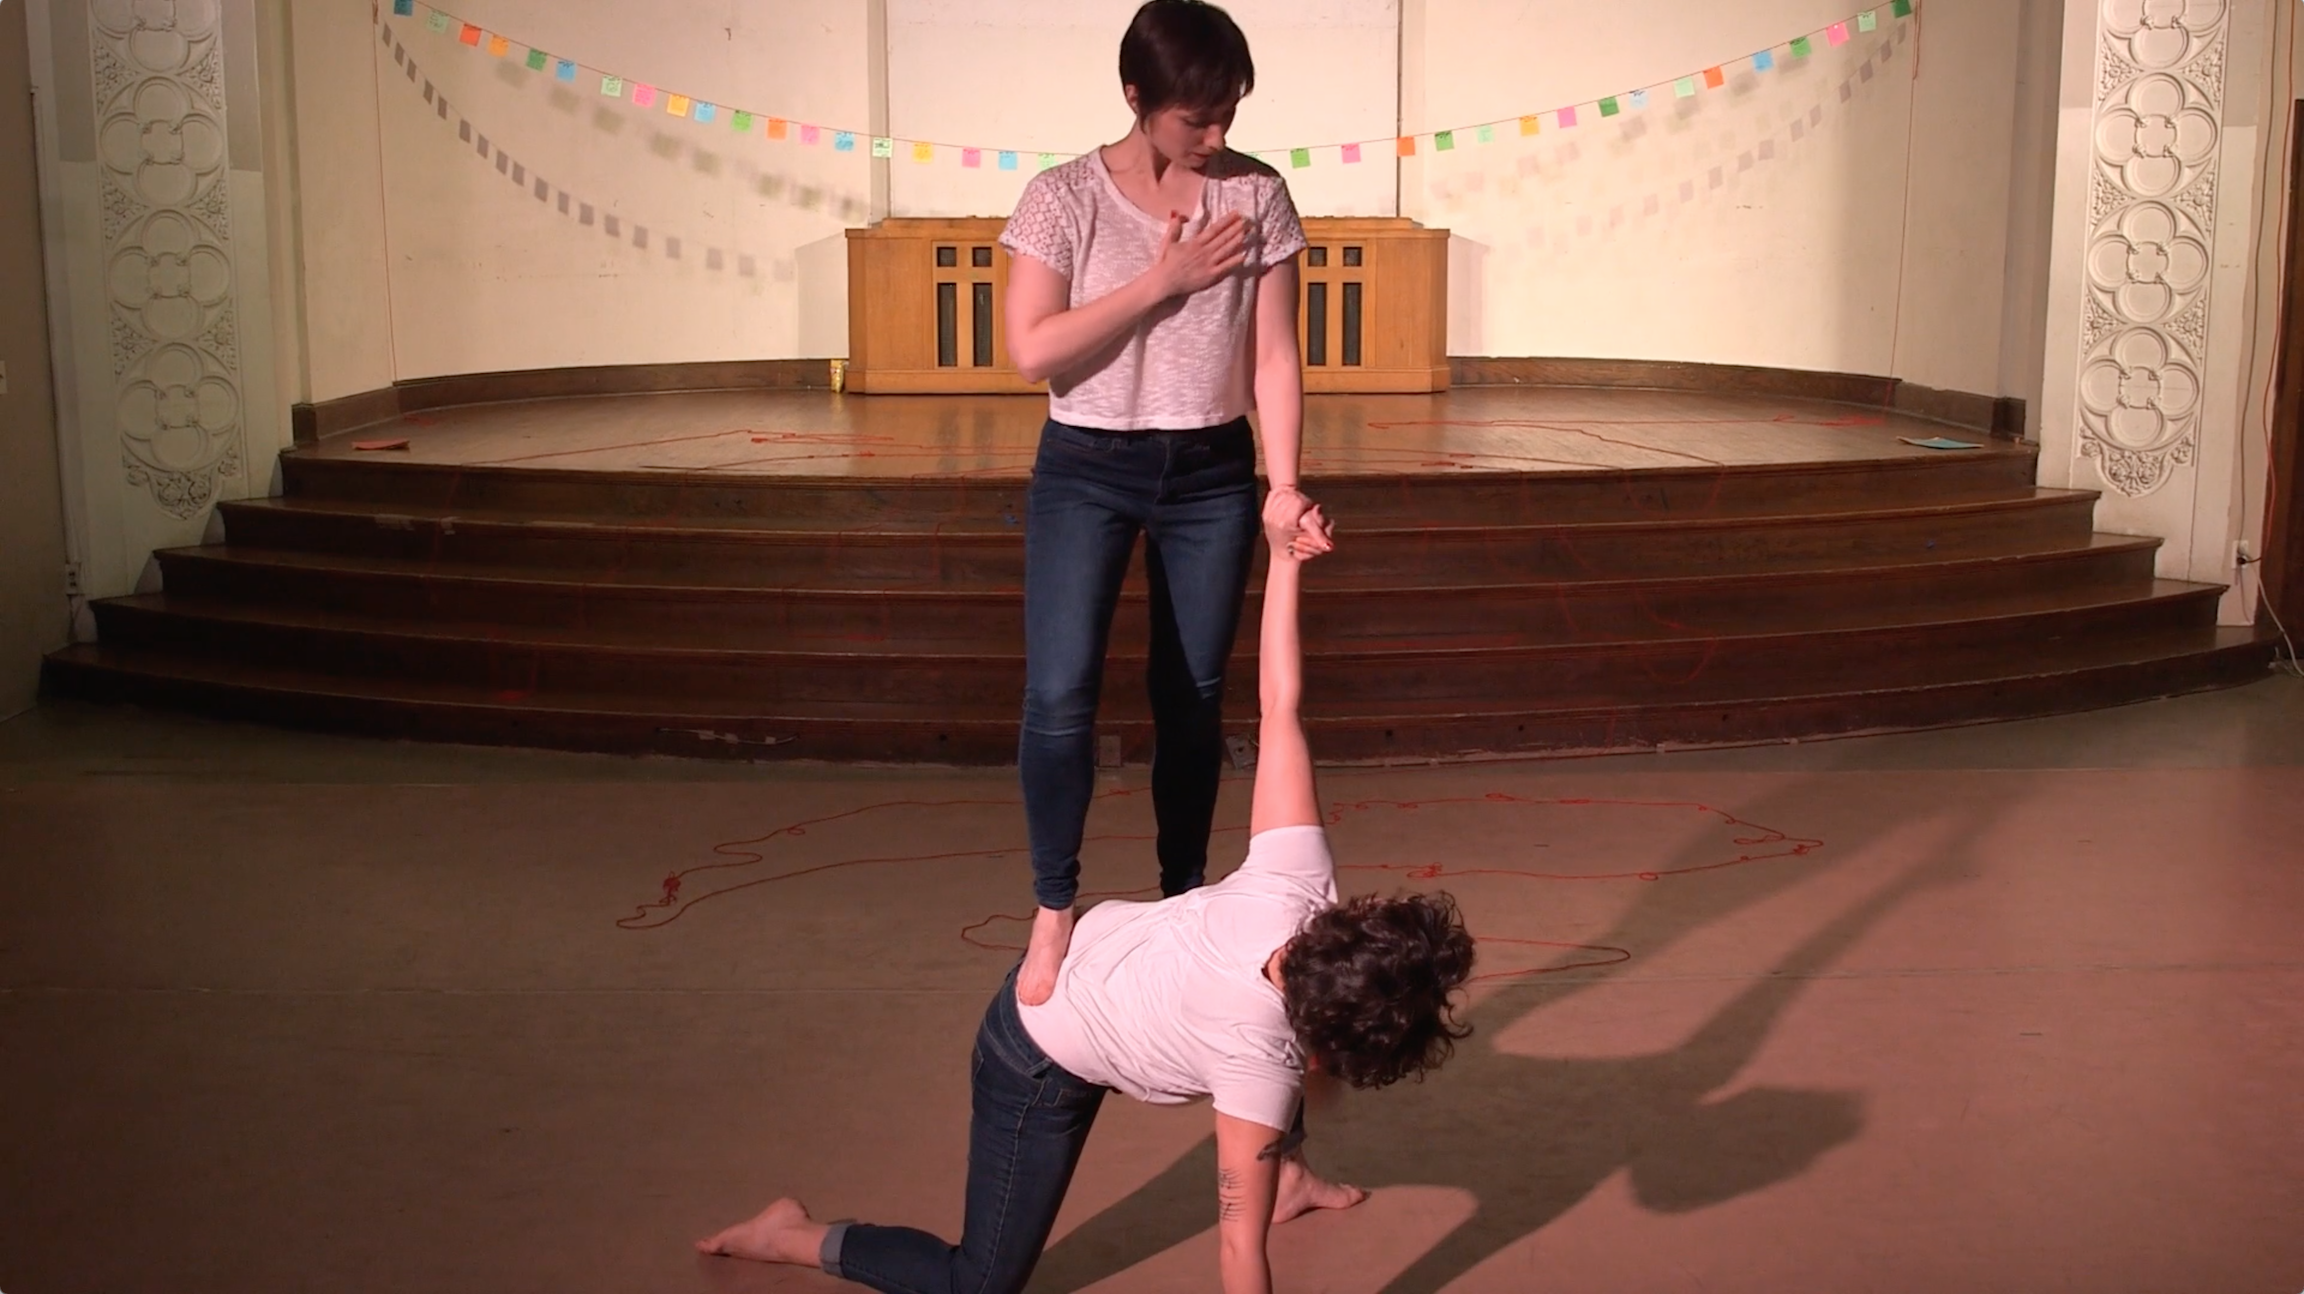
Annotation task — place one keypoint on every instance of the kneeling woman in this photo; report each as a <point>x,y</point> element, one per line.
<point>1232,991</point>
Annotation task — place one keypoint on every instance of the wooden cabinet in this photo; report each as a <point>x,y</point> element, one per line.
<point>925,307</point>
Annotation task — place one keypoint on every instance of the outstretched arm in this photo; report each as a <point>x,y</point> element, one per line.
<point>1285,795</point>
<point>1247,1182</point>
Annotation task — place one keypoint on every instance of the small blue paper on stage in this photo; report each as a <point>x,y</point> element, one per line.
<point>1940,442</point>
<point>404,8</point>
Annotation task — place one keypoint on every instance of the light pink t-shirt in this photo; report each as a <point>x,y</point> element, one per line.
<point>1191,362</point>
<point>1168,1002</point>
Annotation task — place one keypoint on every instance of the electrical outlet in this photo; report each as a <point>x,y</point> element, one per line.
<point>2243,552</point>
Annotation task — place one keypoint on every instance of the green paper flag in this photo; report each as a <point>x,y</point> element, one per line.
<point>1685,87</point>
<point>1047,160</point>
<point>1487,134</point>
<point>612,86</point>
<point>1299,157</point>
<point>1902,8</point>
<point>1443,140</point>
<point>535,60</point>
<point>1801,48</point>
<point>742,121</point>
<point>1869,20</point>
<point>882,146</point>
<point>437,22</point>
<point>1608,107</point>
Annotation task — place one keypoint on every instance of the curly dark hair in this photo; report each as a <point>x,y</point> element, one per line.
<point>1368,982</point>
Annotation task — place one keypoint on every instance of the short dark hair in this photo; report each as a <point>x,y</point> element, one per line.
<point>1185,53</point>
<point>1368,985</point>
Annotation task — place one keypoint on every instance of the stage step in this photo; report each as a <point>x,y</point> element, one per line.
<point>1463,613</point>
<point>1339,610</point>
<point>1436,554</point>
<point>2085,676</point>
<point>993,503</point>
<point>1917,643</point>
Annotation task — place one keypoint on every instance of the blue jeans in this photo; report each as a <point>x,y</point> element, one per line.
<point>1193,494</point>
<point>1031,1120</point>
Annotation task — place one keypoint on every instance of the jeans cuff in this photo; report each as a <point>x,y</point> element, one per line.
<point>828,1253</point>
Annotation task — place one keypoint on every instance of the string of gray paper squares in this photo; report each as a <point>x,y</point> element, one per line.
<point>583,212</point>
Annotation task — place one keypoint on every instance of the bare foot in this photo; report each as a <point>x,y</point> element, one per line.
<point>1301,1191</point>
<point>782,1233</point>
<point>1044,956</point>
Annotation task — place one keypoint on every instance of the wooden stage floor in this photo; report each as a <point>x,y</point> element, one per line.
<point>824,434</point>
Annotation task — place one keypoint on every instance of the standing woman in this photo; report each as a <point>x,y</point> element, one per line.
<point>1154,286</point>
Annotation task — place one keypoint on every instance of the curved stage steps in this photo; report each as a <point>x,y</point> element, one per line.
<point>1475,606</point>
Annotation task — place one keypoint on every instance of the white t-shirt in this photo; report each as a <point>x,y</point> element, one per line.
<point>1167,1001</point>
<point>1190,363</point>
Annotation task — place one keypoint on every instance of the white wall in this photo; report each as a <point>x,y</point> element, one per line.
<point>1878,241</point>
<point>33,613</point>
<point>1773,221</point>
<point>1043,75</point>
<point>2284,74</point>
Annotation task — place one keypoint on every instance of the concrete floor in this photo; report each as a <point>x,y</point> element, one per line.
<point>2008,1008</point>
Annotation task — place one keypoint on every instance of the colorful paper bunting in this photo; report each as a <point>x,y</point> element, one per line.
<point>971,157</point>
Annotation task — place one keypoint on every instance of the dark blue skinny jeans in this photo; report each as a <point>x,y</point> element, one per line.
<point>1194,497</point>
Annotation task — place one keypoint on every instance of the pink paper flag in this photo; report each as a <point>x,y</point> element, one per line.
<point>1351,152</point>
<point>1837,33</point>
<point>809,134</point>
<point>971,157</point>
<point>1567,118</point>
<point>644,95</point>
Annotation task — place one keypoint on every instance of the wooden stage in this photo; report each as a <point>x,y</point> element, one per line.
<point>1481,429</point>
<point>803,574</point>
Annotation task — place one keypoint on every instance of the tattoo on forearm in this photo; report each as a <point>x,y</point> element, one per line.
<point>1231,1200</point>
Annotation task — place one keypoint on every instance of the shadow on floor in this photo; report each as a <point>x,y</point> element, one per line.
<point>1530,1137</point>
